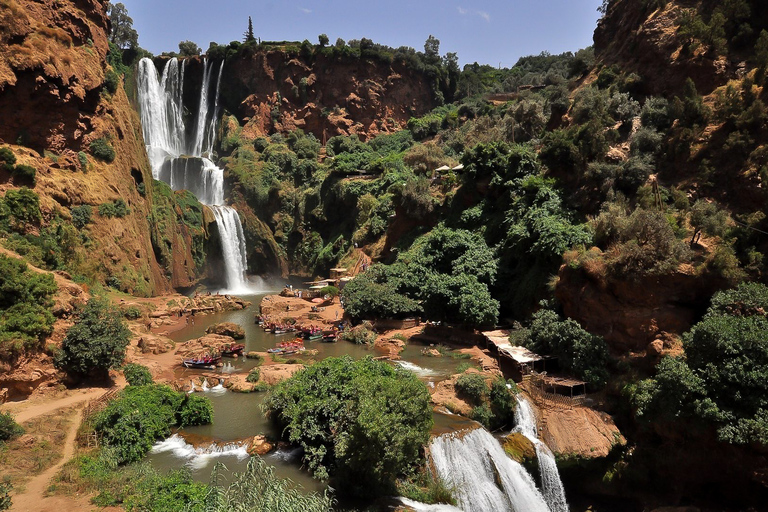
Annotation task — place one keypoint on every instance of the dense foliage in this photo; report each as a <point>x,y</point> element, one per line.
<point>576,350</point>
<point>140,487</point>
<point>721,380</point>
<point>494,403</point>
<point>361,422</point>
<point>137,375</point>
<point>96,343</point>
<point>26,298</point>
<point>141,415</point>
<point>8,427</point>
<point>445,273</point>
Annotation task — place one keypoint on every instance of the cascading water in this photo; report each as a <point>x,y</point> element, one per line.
<point>185,163</point>
<point>550,477</point>
<point>472,463</point>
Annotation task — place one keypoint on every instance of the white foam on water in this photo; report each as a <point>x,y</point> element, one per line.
<point>201,457</point>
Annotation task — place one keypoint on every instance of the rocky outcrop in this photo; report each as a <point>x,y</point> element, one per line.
<point>271,90</point>
<point>274,373</point>
<point>227,329</point>
<point>645,41</point>
<point>630,314</point>
<point>54,103</point>
<point>208,344</point>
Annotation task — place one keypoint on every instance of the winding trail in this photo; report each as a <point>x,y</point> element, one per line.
<point>32,499</point>
<point>47,407</point>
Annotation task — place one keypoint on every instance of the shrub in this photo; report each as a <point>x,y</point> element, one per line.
<point>361,335</point>
<point>81,215</point>
<point>195,410</point>
<point>7,156</point>
<point>102,149</point>
<point>24,207</point>
<point>117,208</point>
<point>253,375</point>
<point>25,174</point>
<point>96,342</point>
<point>111,81</point>
<point>83,159</point>
<point>8,427</point>
<point>25,302</point>
<point>137,375</point>
<point>472,386</point>
<point>141,415</point>
<point>362,421</point>
<point>577,350</point>
<point>132,313</point>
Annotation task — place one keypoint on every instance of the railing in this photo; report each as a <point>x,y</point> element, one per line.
<point>86,435</point>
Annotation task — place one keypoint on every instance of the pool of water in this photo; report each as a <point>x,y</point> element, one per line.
<point>239,416</point>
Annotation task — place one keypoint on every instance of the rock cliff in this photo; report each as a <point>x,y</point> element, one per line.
<point>54,103</point>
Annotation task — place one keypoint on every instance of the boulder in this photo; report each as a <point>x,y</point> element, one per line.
<point>519,447</point>
<point>655,348</point>
<point>208,344</point>
<point>259,445</point>
<point>274,373</point>
<point>152,344</point>
<point>227,329</point>
<point>238,384</point>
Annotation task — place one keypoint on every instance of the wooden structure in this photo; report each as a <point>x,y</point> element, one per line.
<point>515,360</point>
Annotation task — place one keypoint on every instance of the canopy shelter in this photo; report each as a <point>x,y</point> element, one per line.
<point>560,385</point>
<point>513,359</point>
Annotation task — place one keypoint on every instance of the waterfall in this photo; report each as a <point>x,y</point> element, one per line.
<point>550,477</point>
<point>483,476</point>
<point>199,458</point>
<point>185,162</point>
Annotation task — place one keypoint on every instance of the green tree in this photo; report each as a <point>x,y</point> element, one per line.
<point>24,207</point>
<point>8,427</point>
<point>189,49</point>
<point>723,377</point>
<point>96,343</point>
<point>122,34</point>
<point>323,40</point>
<point>248,35</point>
<point>577,350</point>
<point>137,375</point>
<point>362,422</point>
<point>708,218</point>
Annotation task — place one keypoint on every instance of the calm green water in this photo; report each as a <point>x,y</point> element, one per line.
<point>239,416</point>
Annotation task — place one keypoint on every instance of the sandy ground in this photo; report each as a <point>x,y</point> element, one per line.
<point>33,498</point>
<point>28,409</point>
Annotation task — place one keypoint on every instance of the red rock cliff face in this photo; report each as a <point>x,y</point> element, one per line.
<point>645,41</point>
<point>53,105</point>
<point>329,96</point>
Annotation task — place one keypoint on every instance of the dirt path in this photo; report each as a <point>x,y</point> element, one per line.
<point>33,500</point>
<point>25,411</point>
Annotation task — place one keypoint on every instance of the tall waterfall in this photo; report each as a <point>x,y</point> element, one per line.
<point>184,162</point>
<point>483,476</point>
<point>550,477</point>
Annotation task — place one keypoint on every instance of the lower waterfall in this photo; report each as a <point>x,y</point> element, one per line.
<point>550,477</point>
<point>483,476</point>
<point>232,247</point>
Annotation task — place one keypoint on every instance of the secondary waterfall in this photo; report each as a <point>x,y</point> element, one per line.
<point>550,477</point>
<point>184,162</point>
<point>483,476</point>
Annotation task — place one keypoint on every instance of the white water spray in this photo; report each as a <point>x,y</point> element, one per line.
<point>550,477</point>
<point>185,164</point>
<point>484,477</point>
<point>199,458</point>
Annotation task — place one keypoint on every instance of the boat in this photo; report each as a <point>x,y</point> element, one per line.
<point>314,336</point>
<point>330,337</point>
<point>235,350</point>
<point>203,363</point>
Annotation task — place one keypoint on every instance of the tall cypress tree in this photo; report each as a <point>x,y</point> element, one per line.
<point>249,34</point>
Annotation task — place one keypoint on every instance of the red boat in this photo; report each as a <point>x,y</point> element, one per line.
<point>202,363</point>
<point>235,350</point>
